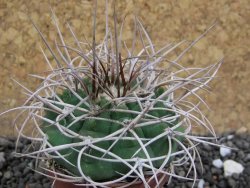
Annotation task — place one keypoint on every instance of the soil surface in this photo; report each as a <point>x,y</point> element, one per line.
<point>19,172</point>
<point>166,21</point>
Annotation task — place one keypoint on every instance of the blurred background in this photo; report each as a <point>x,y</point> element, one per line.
<point>165,20</point>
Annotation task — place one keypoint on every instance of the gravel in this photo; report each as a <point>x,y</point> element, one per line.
<point>212,176</point>
<point>17,172</point>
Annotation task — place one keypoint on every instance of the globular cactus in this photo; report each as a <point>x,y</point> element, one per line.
<point>108,119</point>
<point>105,113</point>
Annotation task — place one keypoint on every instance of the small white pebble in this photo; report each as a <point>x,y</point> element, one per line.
<point>232,167</point>
<point>2,159</point>
<point>230,137</point>
<point>225,151</point>
<point>218,163</point>
<point>201,183</point>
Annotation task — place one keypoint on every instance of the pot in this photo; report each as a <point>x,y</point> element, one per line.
<point>163,179</point>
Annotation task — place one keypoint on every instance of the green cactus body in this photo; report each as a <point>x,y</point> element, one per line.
<point>100,170</point>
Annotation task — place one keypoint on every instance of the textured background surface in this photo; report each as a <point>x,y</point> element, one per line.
<point>169,20</point>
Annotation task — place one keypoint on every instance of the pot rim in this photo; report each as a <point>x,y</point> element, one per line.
<point>136,183</point>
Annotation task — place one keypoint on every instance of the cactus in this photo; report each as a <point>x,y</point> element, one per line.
<point>103,116</point>
<point>96,128</point>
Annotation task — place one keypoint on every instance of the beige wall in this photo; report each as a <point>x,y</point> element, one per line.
<point>165,20</point>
